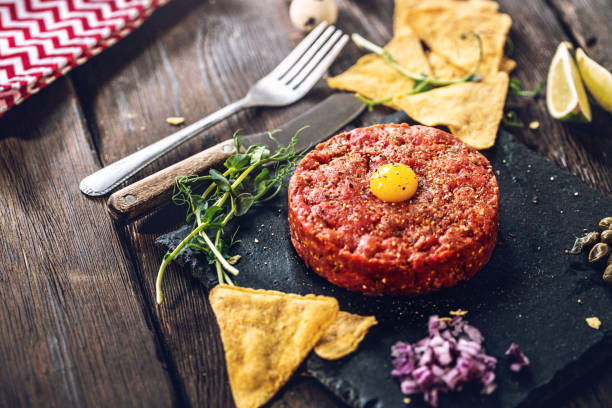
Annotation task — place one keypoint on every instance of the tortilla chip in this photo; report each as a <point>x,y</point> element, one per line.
<point>402,6</point>
<point>266,335</point>
<point>472,111</point>
<point>375,79</point>
<point>442,30</point>
<point>507,65</point>
<point>442,68</point>
<point>343,337</point>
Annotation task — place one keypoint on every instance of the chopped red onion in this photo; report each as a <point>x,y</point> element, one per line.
<point>448,359</point>
<point>517,358</point>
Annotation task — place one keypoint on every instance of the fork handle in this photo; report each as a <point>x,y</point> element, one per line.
<point>107,178</point>
<point>142,196</point>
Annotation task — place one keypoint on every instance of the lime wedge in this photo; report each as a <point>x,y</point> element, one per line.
<point>566,98</point>
<point>597,79</point>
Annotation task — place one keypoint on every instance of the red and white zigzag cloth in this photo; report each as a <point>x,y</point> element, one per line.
<point>40,40</point>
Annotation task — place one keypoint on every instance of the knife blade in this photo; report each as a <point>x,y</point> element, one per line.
<point>323,119</point>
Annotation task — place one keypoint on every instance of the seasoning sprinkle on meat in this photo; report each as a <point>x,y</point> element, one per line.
<point>442,235</point>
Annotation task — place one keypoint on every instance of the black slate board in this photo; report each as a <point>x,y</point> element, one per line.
<point>528,293</point>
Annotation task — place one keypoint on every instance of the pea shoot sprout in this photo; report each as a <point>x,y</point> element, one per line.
<point>230,194</point>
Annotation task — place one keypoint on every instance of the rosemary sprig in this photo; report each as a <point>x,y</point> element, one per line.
<point>515,88</point>
<point>230,194</point>
<point>419,78</point>
<point>370,103</point>
<point>422,82</point>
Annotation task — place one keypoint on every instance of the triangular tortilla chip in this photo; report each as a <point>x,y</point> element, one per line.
<point>443,68</point>
<point>402,6</point>
<point>375,79</point>
<point>343,337</point>
<point>266,335</point>
<point>446,31</point>
<point>472,111</point>
<point>507,65</point>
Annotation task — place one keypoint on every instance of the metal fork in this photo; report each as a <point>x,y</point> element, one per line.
<point>286,84</point>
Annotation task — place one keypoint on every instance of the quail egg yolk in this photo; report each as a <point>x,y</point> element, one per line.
<point>394,183</point>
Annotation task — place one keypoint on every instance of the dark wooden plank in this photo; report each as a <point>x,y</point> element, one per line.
<point>73,328</point>
<point>188,60</point>
<point>588,22</point>
<point>192,58</point>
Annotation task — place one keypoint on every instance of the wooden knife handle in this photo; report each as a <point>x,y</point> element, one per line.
<point>139,198</point>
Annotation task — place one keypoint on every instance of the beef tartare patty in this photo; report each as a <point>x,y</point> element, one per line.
<point>444,234</point>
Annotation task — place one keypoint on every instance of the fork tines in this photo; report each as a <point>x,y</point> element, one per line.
<point>311,57</point>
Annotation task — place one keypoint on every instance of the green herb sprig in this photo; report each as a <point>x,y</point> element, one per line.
<point>511,119</point>
<point>371,103</point>
<point>422,82</point>
<point>230,194</point>
<point>515,88</point>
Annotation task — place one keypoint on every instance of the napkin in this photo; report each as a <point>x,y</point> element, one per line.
<point>41,40</point>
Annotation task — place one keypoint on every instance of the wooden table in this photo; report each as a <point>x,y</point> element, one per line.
<point>79,326</point>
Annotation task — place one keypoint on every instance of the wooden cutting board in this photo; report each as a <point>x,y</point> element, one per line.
<point>531,292</point>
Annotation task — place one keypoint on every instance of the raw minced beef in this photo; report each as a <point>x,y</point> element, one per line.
<point>444,234</point>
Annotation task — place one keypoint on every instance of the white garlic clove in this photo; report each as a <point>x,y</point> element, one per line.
<point>307,14</point>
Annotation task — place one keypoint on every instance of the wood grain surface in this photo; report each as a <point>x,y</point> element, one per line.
<point>75,330</point>
<point>79,322</point>
<point>587,22</point>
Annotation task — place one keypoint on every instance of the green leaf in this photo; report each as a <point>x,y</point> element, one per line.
<point>237,161</point>
<point>515,88</point>
<point>199,204</point>
<point>237,140</point>
<point>261,181</point>
<point>258,153</point>
<point>210,210</point>
<point>210,213</point>
<point>515,85</point>
<point>220,180</point>
<point>243,203</point>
